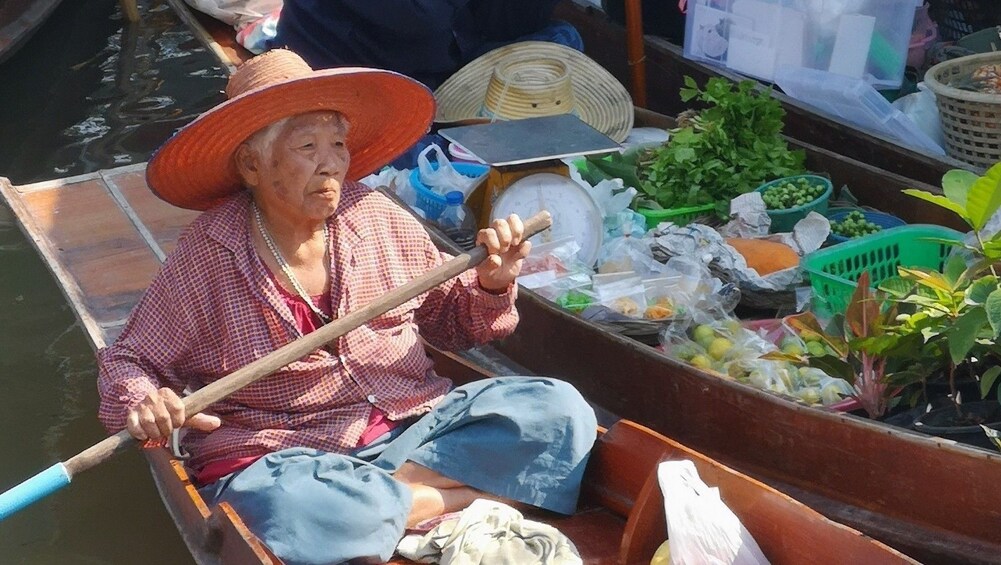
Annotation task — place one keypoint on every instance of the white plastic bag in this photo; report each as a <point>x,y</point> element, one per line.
<point>920,107</point>
<point>236,13</point>
<point>443,178</point>
<point>701,530</point>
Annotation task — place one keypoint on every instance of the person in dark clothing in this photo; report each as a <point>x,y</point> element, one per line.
<point>425,39</point>
<point>664,18</point>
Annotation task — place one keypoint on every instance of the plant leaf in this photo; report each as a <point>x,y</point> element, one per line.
<point>963,334</point>
<point>785,357</point>
<point>806,324</point>
<point>904,378</point>
<point>939,200</point>
<point>927,278</point>
<point>993,308</point>
<point>862,309</point>
<point>897,287</point>
<point>987,380</point>
<point>834,367</point>
<point>955,267</point>
<point>984,198</point>
<point>876,345</point>
<point>980,289</point>
<point>956,185</point>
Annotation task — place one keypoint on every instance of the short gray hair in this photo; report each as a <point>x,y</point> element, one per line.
<point>262,140</point>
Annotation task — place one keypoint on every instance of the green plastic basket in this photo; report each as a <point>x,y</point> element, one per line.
<point>680,216</point>
<point>784,220</point>
<point>834,271</point>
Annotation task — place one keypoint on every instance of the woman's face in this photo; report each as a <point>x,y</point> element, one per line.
<point>300,170</point>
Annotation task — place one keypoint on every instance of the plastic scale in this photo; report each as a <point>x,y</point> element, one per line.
<point>527,175</point>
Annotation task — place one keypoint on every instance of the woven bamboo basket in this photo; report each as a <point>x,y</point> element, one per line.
<point>971,121</point>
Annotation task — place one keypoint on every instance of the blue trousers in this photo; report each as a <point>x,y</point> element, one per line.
<point>521,438</point>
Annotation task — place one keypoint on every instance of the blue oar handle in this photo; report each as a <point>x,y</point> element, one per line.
<point>60,474</point>
<point>35,488</point>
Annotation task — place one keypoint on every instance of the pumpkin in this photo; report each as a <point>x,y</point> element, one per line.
<point>764,256</point>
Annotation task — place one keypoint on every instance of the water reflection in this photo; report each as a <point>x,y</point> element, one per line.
<point>85,93</point>
<point>110,101</point>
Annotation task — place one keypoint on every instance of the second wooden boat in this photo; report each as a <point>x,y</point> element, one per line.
<point>18,21</point>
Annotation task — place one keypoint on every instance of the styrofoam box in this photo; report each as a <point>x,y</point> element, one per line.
<point>856,102</point>
<point>864,39</point>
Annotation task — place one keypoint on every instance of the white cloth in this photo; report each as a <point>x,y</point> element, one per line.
<point>490,533</point>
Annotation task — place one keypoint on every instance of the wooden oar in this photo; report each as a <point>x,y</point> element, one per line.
<point>60,474</point>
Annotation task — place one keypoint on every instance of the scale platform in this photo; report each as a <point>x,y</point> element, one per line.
<point>530,140</point>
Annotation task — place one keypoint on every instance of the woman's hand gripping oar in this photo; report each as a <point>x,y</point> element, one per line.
<point>60,474</point>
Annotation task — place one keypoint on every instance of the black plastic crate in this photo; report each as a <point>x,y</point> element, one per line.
<point>958,18</point>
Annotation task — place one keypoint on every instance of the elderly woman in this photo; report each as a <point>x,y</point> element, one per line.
<point>331,457</point>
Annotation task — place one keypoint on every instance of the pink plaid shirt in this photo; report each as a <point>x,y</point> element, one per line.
<point>213,309</point>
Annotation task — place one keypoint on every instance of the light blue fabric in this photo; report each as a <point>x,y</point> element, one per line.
<point>521,438</point>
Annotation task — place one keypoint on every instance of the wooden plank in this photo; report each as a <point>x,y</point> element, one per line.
<point>228,55</point>
<point>50,255</point>
<point>162,222</point>
<point>94,239</point>
<point>88,229</point>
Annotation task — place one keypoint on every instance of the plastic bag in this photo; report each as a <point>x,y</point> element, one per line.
<point>628,254</point>
<point>701,529</point>
<point>559,255</point>
<point>443,178</point>
<point>625,296</point>
<point>236,13</point>
<point>920,107</point>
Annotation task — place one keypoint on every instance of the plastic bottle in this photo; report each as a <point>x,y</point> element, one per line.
<point>457,221</point>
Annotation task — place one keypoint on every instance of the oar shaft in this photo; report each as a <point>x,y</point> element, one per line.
<point>59,475</point>
<point>216,391</point>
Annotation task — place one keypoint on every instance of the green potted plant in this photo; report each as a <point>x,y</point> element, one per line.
<point>957,312</point>
<point>863,350</point>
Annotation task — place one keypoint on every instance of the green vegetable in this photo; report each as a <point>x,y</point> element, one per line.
<point>790,194</point>
<point>725,150</point>
<point>854,225</point>
<point>574,301</point>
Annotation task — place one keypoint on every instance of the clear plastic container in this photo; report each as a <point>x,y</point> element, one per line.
<point>457,221</point>
<point>864,39</point>
<point>857,103</point>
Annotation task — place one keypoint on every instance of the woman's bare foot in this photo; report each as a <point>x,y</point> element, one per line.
<point>435,494</point>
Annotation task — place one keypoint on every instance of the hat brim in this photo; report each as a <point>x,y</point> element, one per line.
<point>387,113</point>
<point>602,101</point>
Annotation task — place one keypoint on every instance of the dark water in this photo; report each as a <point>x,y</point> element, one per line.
<point>85,93</point>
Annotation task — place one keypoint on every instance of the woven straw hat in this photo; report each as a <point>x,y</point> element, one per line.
<point>536,78</point>
<point>387,113</point>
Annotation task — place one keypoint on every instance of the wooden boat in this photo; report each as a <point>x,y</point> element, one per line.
<point>605,41</point>
<point>920,494</point>
<point>18,21</point>
<point>104,236</point>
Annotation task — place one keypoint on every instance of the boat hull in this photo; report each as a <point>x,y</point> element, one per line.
<point>19,19</point>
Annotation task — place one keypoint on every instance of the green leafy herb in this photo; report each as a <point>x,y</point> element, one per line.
<point>727,149</point>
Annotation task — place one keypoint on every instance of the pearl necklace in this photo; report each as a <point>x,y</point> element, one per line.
<point>286,269</point>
